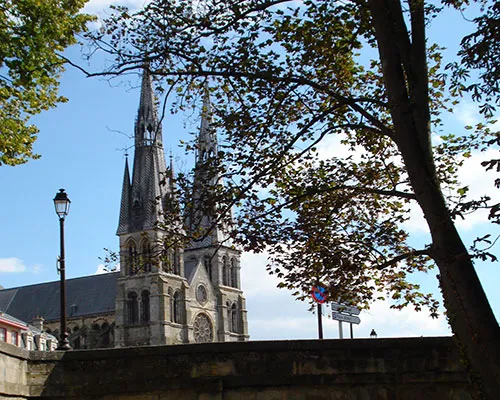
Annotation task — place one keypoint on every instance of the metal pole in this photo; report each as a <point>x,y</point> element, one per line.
<point>63,335</point>
<point>341,334</point>
<point>320,322</point>
<point>352,335</point>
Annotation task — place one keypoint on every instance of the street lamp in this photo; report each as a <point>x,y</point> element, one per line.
<point>61,204</point>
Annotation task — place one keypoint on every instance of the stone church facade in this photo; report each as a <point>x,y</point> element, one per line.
<point>169,289</point>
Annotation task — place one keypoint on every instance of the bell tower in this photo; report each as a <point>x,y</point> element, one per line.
<point>149,228</point>
<point>211,246</point>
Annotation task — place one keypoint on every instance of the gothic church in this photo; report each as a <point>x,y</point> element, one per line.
<point>164,293</point>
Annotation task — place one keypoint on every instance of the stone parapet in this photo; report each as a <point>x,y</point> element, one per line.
<point>364,369</point>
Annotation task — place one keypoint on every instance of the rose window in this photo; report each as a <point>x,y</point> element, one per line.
<point>202,329</point>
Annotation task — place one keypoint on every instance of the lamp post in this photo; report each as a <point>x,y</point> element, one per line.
<point>61,204</point>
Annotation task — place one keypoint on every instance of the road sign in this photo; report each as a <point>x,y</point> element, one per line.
<point>319,294</point>
<point>345,318</point>
<point>346,309</point>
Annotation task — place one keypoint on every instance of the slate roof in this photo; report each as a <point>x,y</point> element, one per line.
<point>92,295</point>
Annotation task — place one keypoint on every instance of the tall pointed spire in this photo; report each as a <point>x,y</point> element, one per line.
<point>147,126</point>
<point>123,224</point>
<point>143,199</point>
<point>207,139</point>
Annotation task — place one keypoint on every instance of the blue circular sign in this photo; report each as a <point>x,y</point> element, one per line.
<point>319,294</point>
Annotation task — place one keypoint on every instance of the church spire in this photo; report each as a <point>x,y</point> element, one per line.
<point>207,139</point>
<point>147,126</point>
<point>123,224</point>
<point>143,199</point>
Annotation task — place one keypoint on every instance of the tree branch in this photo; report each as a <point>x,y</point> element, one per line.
<point>404,256</point>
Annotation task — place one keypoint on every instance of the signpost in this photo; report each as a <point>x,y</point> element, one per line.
<point>345,309</point>
<point>346,318</point>
<point>345,313</point>
<point>320,295</point>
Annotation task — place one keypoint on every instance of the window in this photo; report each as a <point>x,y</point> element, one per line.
<point>131,258</point>
<point>105,335</point>
<point>177,308</point>
<point>145,314</point>
<point>171,296</point>
<point>132,308</point>
<point>3,334</point>
<point>208,266</point>
<point>176,261</point>
<point>229,319</point>
<point>225,271</point>
<point>146,256</point>
<point>234,318</point>
<point>233,274</point>
<point>203,332</point>
<point>14,338</point>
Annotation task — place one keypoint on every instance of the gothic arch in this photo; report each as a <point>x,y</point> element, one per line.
<point>177,307</point>
<point>131,247</point>
<point>171,303</point>
<point>234,318</point>
<point>233,273</point>
<point>203,328</point>
<point>132,308</point>
<point>225,271</point>
<point>146,261</point>
<point>207,263</point>
<point>145,306</point>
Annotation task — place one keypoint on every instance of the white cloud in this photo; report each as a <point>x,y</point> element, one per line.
<point>12,265</point>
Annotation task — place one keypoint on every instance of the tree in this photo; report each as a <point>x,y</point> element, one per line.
<point>32,32</point>
<point>285,76</point>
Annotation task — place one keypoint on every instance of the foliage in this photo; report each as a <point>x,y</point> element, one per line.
<point>285,76</point>
<point>32,32</point>
<point>282,80</point>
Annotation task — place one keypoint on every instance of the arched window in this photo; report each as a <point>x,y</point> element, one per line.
<point>229,319</point>
<point>132,308</point>
<point>146,256</point>
<point>172,308</point>
<point>225,271</point>
<point>131,258</point>
<point>145,313</point>
<point>207,262</point>
<point>234,318</point>
<point>177,308</point>
<point>233,274</point>
<point>176,261</point>
<point>105,335</point>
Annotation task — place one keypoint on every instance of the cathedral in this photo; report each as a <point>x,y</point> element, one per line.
<point>169,289</point>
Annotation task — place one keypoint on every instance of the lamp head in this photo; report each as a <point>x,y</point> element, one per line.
<point>61,203</point>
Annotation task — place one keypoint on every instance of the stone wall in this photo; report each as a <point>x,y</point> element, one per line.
<point>13,372</point>
<point>360,369</point>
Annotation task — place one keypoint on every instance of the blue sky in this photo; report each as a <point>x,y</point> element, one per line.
<point>82,145</point>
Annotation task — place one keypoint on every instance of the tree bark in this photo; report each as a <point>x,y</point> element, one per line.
<point>468,309</point>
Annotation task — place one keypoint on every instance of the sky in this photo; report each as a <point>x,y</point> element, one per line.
<point>83,143</point>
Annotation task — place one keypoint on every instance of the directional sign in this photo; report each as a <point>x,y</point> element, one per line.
<point>319,294</point>
<point>345,318</point>
<point>346,309</point>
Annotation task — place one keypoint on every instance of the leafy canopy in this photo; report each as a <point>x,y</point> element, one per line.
<point>32,33</point>
<point>284,77</point>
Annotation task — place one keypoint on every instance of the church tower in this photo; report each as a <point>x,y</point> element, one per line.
<point>211,250</point>
<point>151,254</point>
<point>168,292</point>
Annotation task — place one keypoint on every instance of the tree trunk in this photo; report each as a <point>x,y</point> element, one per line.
<point>468,309</point>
